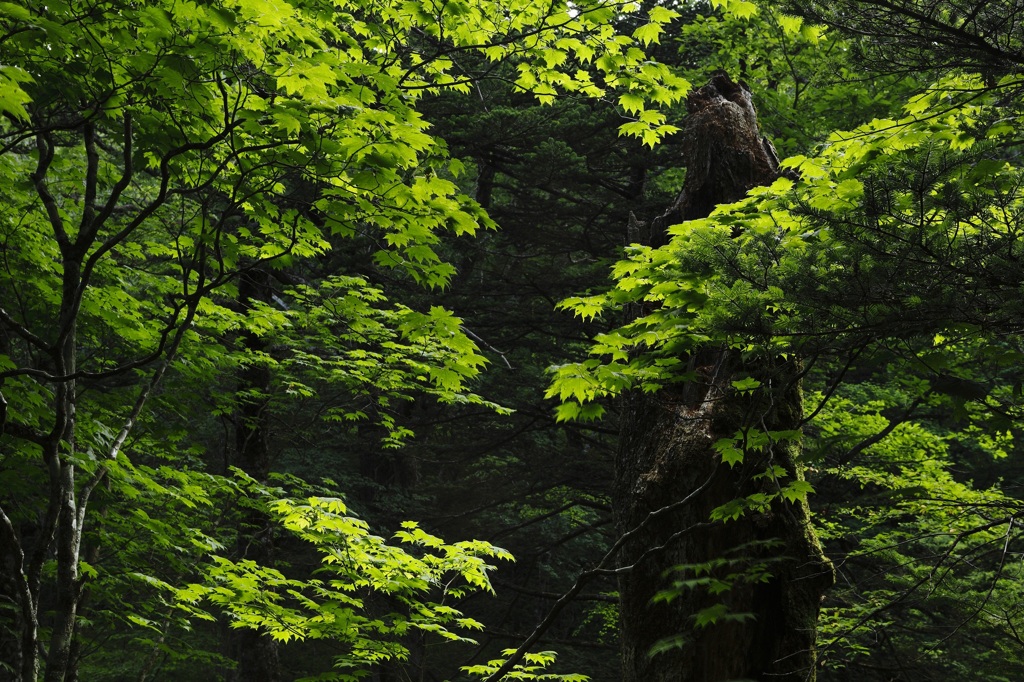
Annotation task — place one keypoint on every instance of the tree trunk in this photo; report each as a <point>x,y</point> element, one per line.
<point>667,462</point>
<point>59,456</point>
<point>255,653</point>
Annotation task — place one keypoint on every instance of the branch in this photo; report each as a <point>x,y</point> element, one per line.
<point>123,181</point>
<point>957,539</point>
<point>25,599</point>
<point>835,385</point>
<point>120,369</point>
<point>555,595</point>
<point>952,33</point>
<point>600,569</point>
<point>548,515</point>
<point>889,428</point>
<point>137,408</point>
<point>21,330</point>
<point>470,333</point>
<point>45,149</point>
<point>20,430</point>
<point>87,227</point>
<point>158,200</point>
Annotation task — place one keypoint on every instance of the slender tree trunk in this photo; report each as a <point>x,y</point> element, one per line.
<point>59,455</point>
<point>255,653</point>
<point>19,651</point>
<point>667,462</point>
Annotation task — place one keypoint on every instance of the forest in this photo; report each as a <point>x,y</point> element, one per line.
<point>395,340</point>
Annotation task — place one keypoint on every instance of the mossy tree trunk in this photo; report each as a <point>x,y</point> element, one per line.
<point>669,476</point>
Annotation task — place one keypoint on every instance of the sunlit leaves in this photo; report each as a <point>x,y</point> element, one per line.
<point>184,183</point>
<point>12,97</point>
<point>732,278</point>
<point>357,566</point>
<point>338,95</point>
<point>534,667</point>
<point>740,8</point>
<point>914,536</point>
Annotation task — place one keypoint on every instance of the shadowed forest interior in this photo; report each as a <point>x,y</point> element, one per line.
<point>491,340</point>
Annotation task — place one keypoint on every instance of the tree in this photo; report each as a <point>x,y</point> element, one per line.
<point>225,230</point>
<point>161,159</point>
<point>891,250</point>
<point>677,482</point>
<point>915,217</point>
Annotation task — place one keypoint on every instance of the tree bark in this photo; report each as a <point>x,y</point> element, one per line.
<point>255,652</point>
<point>58,454</point>
<point>667,462</point>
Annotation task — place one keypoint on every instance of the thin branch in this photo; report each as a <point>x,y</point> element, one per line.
<point>834,385</point>
<point>548,515</point>
<point>87,226</point>
<point>957,539</point>
<point>476,338</point>
<point>872,440</point>
<point>21,330</point>
<point>598,570</point>
<point>133,415</point>
<point>124,180</point>
<point>555,595</point>
<point>44,146</point>
<point>25,598</point>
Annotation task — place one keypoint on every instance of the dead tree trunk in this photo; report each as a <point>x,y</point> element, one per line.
<point>667,462</point>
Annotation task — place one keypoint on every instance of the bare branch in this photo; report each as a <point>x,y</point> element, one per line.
<point>44,146</point>
<point>598,570</point>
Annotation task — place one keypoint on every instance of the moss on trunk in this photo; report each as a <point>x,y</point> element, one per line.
<point>668,467</point>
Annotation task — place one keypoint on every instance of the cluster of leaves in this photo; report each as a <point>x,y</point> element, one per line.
<point>783,270</point>
<point>926,558</point>
<point>898,246</point>
<point>716,578</point>
<point>341,347</point>
<point>356,567</point>
<point>533,668</point>
<point>169,568</point>
<point>183,176</point>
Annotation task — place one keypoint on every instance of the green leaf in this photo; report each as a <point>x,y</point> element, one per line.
<point>746,385</point>
<point>790,24</point>
<point>631,102</point>
<point>795,491</point>
<point>648,33</point>
<point>710,615</point>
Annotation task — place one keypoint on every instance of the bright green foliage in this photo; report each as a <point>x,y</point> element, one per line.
<point>532,668</point>
<point>924,557</point>
<point>200,200</point>
<point>155,526</point>
<point>750,276</point>
<point>895,253</point>
<point>367,598</point>
<point>357,568</point>
<point>343,334</point>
